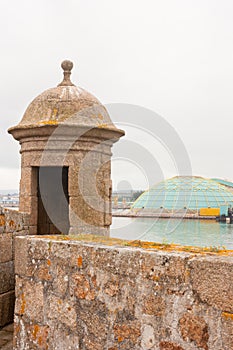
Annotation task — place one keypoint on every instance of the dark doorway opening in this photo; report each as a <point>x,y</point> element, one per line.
<point>53,200</point>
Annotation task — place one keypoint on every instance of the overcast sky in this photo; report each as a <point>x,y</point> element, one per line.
<point>174,57</point>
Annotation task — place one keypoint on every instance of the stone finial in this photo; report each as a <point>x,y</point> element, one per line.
<point>67,67</point>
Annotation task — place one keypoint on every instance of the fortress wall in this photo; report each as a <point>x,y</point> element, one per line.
<point>12,223</point>
<point>74,294</point>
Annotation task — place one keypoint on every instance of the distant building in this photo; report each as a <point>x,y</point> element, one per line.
<point>9,200</point>
<point>124,198</point>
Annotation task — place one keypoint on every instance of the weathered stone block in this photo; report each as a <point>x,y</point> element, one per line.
<point>21,255</point>
<point>62,339</point>
<point>35,335</point>
<point>227,331</point>
<point>59,284</point>
<point>32,230</point>
<point>89,210</point>
<point>162,266</point>
<point>124,261</point>
<point>24,204</point>
<point>212,280</point>
<point>15,221</point>
<point>61,311</point>
<point>76,212</point>
<point>39,249</point>
<point>28,183</point>
<point>75,184</point>
<point>12,224</point>
<point>96,321</point>
<point>34,211</point>
<point>130,331</point>
<point>5,247</point>
<point>88,181</point>
<point>7,301</point>
<point>32,159</point>
<point>194,328</point>
<point>29,300</point>
<point>93,211</point>
<point>81,287</point>
<point>7,280</point>
<point>154,305</point>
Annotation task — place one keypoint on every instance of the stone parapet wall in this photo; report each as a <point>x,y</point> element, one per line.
<point>73,294</point>
<point>12,223</point>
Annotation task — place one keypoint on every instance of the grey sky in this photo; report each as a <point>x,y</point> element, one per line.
<point>174,57</point>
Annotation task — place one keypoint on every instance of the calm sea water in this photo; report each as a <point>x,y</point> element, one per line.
<point>202,233</point>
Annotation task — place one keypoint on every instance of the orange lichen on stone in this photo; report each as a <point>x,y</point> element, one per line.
<point>82,288</point>
<point>35,330</point>
<point>11,223</point>
<point>79,261</point>
<point>227,315</point>
<point>155,278</point>
<point>177,247</point>
<point>55,112</point>
<point>23,304</point>
<point>187,274</point>
<point>2,220</point>
<point>16,329</point>
<point>48,122</point>
<point>40,335</point>
<point>103,126</point>
<point>141,244</point>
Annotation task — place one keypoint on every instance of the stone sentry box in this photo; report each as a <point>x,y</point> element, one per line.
<point>66,137</point>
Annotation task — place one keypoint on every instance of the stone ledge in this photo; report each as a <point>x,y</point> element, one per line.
<point>112,294</point>
<point>115,242</point>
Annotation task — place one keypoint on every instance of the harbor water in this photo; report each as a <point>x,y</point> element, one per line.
<point>201,233</point>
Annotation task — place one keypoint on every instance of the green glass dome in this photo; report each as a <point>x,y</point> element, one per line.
<point>189,192</point>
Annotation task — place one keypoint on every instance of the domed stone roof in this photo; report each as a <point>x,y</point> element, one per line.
<point>67,104</point>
